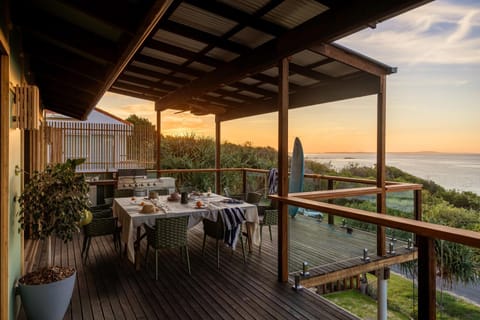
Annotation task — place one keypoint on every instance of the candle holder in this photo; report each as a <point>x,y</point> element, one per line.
<point>365,257</point>
<point>305,271</point>
<point>297,286</point>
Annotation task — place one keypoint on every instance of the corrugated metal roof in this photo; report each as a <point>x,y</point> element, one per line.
<point>184,76</point>
<point>307,57</point>
<point>200,66</point>
<point>249,81</point>
<point>68,12</point>
<point>127,90</point>
<point>150,67</point>
<point>205,45</point>
<point>269,87</point>
<point>222,54</point>
<point>229,88</point>
<point>251,37</point>
<point>170,83</point>
<point>140,75</point>
<point>160,90</point>
<point>248,6</point>
<point>163,56</point>
<point>272,72</point>
<point>301,80</point>
<point>335,69</point>
<point>233,99</point>
<point>292,13</point>
<point>179,40</point>
<point>251,94</point>
<point>202,20</point>
<point>133,84</point>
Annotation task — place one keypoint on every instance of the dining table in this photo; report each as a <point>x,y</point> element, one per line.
<point>132,217</point>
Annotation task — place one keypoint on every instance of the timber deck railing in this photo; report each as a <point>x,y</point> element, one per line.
<point>308,200</point>
<point>425,233</point>
<point>329,194</point>
<point>391,185</point>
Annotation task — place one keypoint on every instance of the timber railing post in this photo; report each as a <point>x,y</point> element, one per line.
<point>426,278</point>
<point>218,164</point>
<point>244,182</point>
<point>331,217</point>
<point>417,208</point>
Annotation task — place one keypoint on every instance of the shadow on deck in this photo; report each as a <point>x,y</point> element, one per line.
<point>108,287</point>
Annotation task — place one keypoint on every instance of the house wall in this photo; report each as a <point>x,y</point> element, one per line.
<point>11,155</point>
<point>101,139</point>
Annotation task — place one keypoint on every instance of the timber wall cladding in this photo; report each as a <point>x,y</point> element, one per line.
<point>26,107</point>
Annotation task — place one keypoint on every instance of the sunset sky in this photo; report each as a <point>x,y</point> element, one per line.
<point>432,101</point>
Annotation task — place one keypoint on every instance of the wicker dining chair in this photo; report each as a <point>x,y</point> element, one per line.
<point>228,193</point>
<point>253,197</point>
<point>103,223</point>
<point>270,218</point>
<point>216,230</point>
<point>101,213</point>
<point>100,207</point>
<point>167,233</point>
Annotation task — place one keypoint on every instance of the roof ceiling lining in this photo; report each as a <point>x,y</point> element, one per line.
<point>210,54</point>
<point>284,45</point>
<point>83,41</point>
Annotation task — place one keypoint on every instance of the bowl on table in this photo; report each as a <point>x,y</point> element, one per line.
<point>174,197</point>
<point>148,208</point>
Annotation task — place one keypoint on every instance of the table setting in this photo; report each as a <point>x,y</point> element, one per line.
<point>132,212</point>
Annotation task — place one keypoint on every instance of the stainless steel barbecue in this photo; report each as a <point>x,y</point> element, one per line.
<point>136,180</point>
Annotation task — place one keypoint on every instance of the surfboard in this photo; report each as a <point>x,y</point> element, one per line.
<point>296,173</point>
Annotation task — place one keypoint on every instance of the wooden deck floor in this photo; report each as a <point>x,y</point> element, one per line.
<point>108,287</point>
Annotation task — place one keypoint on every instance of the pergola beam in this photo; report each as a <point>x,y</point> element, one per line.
<point>349,88</point>
<point>353,59</point>
<point>150,21</point>
<point>138,95</point>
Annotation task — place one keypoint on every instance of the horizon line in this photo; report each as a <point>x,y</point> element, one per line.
<point>409,152</point>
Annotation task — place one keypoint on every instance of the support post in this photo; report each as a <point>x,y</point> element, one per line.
<point>4,184</point>
<point>426,278</point>
<point>382,295</point>
<point>381,169</point>
<point>218,165</point>
<point>283,170</point>
<point>381,197</point>
<point>158,138</point>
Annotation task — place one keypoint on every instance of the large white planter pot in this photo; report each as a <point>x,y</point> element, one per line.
<point>47,301</point>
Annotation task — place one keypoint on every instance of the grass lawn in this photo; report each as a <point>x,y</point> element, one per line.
<point>402,302</point>
<point>361,305</point>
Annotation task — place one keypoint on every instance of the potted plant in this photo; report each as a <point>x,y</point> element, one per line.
<point>53,203</point>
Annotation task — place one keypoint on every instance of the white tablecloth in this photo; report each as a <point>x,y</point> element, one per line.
<point>128,213</point>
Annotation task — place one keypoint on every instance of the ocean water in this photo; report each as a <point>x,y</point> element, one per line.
<point>452,171</point>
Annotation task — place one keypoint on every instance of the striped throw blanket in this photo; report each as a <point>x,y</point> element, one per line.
<point>232,221</point>
<point>273,181</point>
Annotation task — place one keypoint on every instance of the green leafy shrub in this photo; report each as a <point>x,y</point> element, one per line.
<point>53,200</point>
